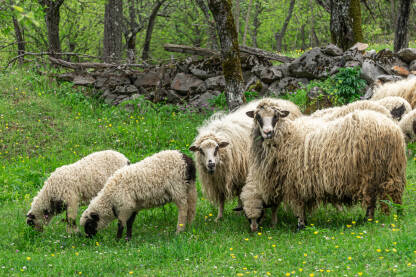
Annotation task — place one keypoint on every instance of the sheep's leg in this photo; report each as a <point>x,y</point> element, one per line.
<point>71,215</point>
<point>274,215</point>
<point>123,217</point>
<point>130,225</point>
<point>371,205</point>
<point>120,229</point>
<point>182,216</point>
<point>220,209</point>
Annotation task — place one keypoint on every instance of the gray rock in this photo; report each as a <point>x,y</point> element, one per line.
<point>352,64</point>
<point>407,54</point>
<point>353,55</point>
<point>172,97</point>
<point>83,80</point>
<point>200,89</point>
<point>201,74</point>
<point>202,101</point>
<point>370,54</point>
<point>359,46</point>
<point>100,82</point>
<point>114,81</point>
<point>388,58</point>
<point>314,64</point>
<point>412,66</point>
<point>183,83</point>
<point>270,74</point>
<point>284,68</point>
<point>332,50</point>
<point>287,84</point>
<point>388,78</point>
<point>369,93</point>
<point>370,71</point>
<point>125,90</point>
<point>147,79</point>
<point>130,89</point>
<point>257,69</point>
<point>108,97</point>
<point>215,83</point>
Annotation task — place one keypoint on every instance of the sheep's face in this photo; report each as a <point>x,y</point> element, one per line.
<point>35,220</point>
<point>265,118</point>
<point>209,153</point>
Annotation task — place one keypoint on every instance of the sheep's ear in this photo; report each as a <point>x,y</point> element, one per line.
<point>223,144</point>
<point>95,216</point>
<point>250,114</point>
<point>193,148</point>
<point>283,113</point>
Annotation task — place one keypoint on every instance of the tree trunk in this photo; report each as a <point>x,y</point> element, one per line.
<point>256,23</point>
<point>303,36</point>
<point>393,14</point>
<point>279,35</point>
<point>313,37</point>
<point>237,17</point>
<point>211,24</point>
<point>355,14</point>
<point>246,22</point>
<point>149,31</point>
<point>113,19</point>
<point>131,33</point>
<point>52,18</point>
<point>400,36</point>
<point>18,32</point>
<point>341,24</point>
<point>234,84</point>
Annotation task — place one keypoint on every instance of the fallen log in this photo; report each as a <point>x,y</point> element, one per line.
<point>81,66</point>
<point>205,52</point>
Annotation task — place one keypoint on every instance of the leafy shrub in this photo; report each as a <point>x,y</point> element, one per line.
<point>347,85</point>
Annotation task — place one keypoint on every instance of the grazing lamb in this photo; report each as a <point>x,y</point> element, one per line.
<point>404,88</point>
<point>168,176</point>
<point>408,126</point>
<point>308,161</point>
<point>393,107</point>
<point>70,185</point>
<point>221,152</point>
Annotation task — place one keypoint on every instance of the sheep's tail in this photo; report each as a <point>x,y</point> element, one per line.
<point>192,198</point>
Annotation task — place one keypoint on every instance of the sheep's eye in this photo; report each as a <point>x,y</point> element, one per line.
<point>216,151</point>
<point>202,152</point>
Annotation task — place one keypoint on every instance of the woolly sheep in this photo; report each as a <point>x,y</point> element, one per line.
<point>404,88</point>
<point>408,126</point>
<point>308,161</point>
<point>70,185</point>
<point>168,176</point>
<point>392,107</point>
<point>221,152</point>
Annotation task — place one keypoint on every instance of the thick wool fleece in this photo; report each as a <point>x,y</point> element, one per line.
<point>168,176</point>
<point>404,88</point>
<point>70,185</point>
<point>408,126</point>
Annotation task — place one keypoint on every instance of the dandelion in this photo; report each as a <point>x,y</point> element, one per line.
<point>53,255</point>
<point>394,243</point>
<point>353,222</point>
<point>240,274</point>
<point>130,272</point>
<point>255,257</point>
<point>300,269</point>
<point>349,258</point>
<point>259,233</point>
<point>244,268</point>
<point>246,239</point>
<point>304,254</point>
<point>311,274</point>
<point>268,273</point>
<point>321,270</point>
<point>181,225</point>
<point>210,214</point>
<point>231,249</point>
<point>328,270</point>
<point>349,226</point>
<point>378,250</point>
<point>409,264</point>
<point>273,245</point>
<point>392,225</point>
<point>287,274</point>
<point>360,273</point>
<point>269,237</point>
<point>394,250</point>
<point>336,246</point>
<point>381,257</point>
<point>76,253</point>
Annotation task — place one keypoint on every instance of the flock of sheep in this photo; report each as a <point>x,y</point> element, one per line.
<point>265,153</point>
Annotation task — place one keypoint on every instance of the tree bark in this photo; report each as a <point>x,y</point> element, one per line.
<point>355,13</point>
<point>18,32</point>
<point>256,22</point>
<point>149,31</point>
<point>52,19</point>
<point>400,36</point>
<point>393,14</point>
<point>341,24</point>
<point>279,35</point>
<point>234,84</point>
<point>246,22</point>
<point>313,37</point>
<point>237,17</point>
<point>113,19</point>
<point>211,24</point>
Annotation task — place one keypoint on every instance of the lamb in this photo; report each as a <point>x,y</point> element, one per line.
<point>393,107</point>
<point>307,161</point>
<point>70,185</point>
<point>408,126</point>
<point>221,152</point>
<point>167,176</point>
<point>404,88</point>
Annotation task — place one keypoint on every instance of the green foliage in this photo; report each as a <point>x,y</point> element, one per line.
<point>348,85</point>
<point>220,101</point>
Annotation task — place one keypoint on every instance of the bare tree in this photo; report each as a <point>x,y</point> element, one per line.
<point>52,18</point>
<point>246,22</point>
<point>341,24</point>
<point>211,24</point>
<point>150,26</point>
<point>313,37</point>
<point>259,8</point>
<point>237,17</point>
<point>18,32</point>
<point>279,35</point>
<point>113,19</point>
<point>231,65</point>
<point>134,24</point>
<point>400,36</point>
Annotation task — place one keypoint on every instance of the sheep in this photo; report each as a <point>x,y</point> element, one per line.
<point>221,152</point>
<point>408,126</point>
<point>167,176</point>
<point>70,185</point>
<point>404,88</point>
<point>392,107</point>
<point>307,161</point>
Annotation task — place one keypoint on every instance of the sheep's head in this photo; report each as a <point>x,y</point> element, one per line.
<point>266,117</point>
<point>209,152</point>
<point>91,222</point>
<point>408,126</point>
<point>37,216</point>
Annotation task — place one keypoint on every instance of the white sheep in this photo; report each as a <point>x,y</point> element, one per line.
<point>408,126</point>
<point>404,88</point>
<point>168,176</point>
<point>221,152</point>
<point>398,106</point>
<point>307,161</point>
<point>70,185</point>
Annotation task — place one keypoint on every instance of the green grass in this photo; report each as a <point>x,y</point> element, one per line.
<point>44,125</point>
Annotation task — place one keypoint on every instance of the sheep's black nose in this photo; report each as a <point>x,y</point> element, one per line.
<point>211,165</point>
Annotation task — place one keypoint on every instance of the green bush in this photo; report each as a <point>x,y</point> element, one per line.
<point>220,101</point>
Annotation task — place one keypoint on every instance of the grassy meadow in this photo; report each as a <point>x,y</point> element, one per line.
<point>44,125</point>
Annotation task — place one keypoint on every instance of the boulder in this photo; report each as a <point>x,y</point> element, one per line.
<point>332,50</point>
<point>183,83</point>
<point>387,57</point>
<point>314,64</point>
<point>370,71</point>
<point>400,71</point>
<point>286,84</point>
<point>215,83</point>
<point>172,97</point>
<point>147,79</point>
<point>203,101</point>
<point>83,80</point>
<point>388,78</point>
<point>412,66</point>
<point>407,54</point>
<point>359,46</point>
<point>126,90</point>
<point>108,96</point>
<point>370,54</point>
<point>270,74</point>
